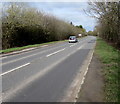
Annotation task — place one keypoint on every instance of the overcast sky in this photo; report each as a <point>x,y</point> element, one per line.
<point>68,11</point>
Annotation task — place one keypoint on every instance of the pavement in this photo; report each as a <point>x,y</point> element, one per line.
<point>45,74</point>
<point>93,87</point>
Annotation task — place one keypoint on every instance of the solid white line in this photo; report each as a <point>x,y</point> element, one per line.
<point>14,69</point>
<point>55,52</point>
<point>27,56</point>
<point>3,57</point>
<point>44,45</point>
<point>18,59</point>
<point>83,80</point>
<point>21,58</point>
<point>28,49</point>
<point>85,72</point>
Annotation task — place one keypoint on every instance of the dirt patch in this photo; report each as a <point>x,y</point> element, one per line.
<point>93,88</point>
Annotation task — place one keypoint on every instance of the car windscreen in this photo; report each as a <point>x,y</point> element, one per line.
<point>72,37</point>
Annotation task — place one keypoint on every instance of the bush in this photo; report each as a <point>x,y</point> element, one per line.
<point>23,25</point>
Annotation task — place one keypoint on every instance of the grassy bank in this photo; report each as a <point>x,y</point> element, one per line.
<point>28,46</point>
<point>109,57</point>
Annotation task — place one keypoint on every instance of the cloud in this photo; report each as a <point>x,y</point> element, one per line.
<point>68,11</point>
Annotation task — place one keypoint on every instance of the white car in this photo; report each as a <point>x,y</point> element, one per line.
<point>73,39</point>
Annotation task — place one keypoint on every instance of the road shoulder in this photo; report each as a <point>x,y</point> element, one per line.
<point>92,89</point>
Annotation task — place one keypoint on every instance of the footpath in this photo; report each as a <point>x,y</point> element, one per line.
<point>92,89</point>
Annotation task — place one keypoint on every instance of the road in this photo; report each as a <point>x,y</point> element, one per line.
<point>44,74</point>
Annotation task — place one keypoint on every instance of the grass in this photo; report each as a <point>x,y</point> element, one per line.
<point>109,57</point>
<point>28,46</point>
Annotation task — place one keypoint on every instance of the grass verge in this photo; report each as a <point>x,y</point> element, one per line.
<point>109,57</point>
<point>28,46</point>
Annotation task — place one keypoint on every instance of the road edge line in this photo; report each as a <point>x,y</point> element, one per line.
<point>85,72</point>
<point>55,52</point>
<point>76,85</point>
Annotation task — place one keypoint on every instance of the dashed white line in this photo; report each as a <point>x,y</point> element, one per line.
<point>55,52</point>
<point>21,58</point>
<point>14,69</point>
<point>27,56</point>
<point>72,45</point>
<point>80,47</point>
<point>18,59</point>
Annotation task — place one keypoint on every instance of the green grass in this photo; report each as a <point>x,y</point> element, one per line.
<point>109,57</point>
<point>28,46</point>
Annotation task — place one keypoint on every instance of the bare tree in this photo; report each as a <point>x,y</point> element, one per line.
<point>107,15</point>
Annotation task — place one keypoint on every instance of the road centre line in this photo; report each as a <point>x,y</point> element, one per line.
<point>14,69</point>
<point>72,45</point>
<point>38,75</point>
<point>42,51</point>
<point>80,47</point>
<point>29,63</point>
<point>19,59</point>
<point>55,52</point>
<point>29,55</point>
<point>41,73</point>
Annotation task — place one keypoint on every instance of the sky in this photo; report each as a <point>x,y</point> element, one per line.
<point>68,11</point>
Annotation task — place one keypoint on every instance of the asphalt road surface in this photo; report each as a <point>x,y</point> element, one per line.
<point>43,74</point>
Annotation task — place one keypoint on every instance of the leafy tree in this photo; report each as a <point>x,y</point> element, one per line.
<point>23,25</point>
<point>80,26</point>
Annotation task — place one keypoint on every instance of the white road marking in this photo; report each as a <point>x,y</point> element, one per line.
<point>28,56</point>
<point>85,73</point>
<point>44,45</point>
<point>28,49</point>
<point>75,87</point>
<point>2,58</point>
<point>80,47</point>
<point>55,52</point>
<point>72,45</point>
<point>19,59</point>
<point>83,80</point>
<point>14,69</point>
